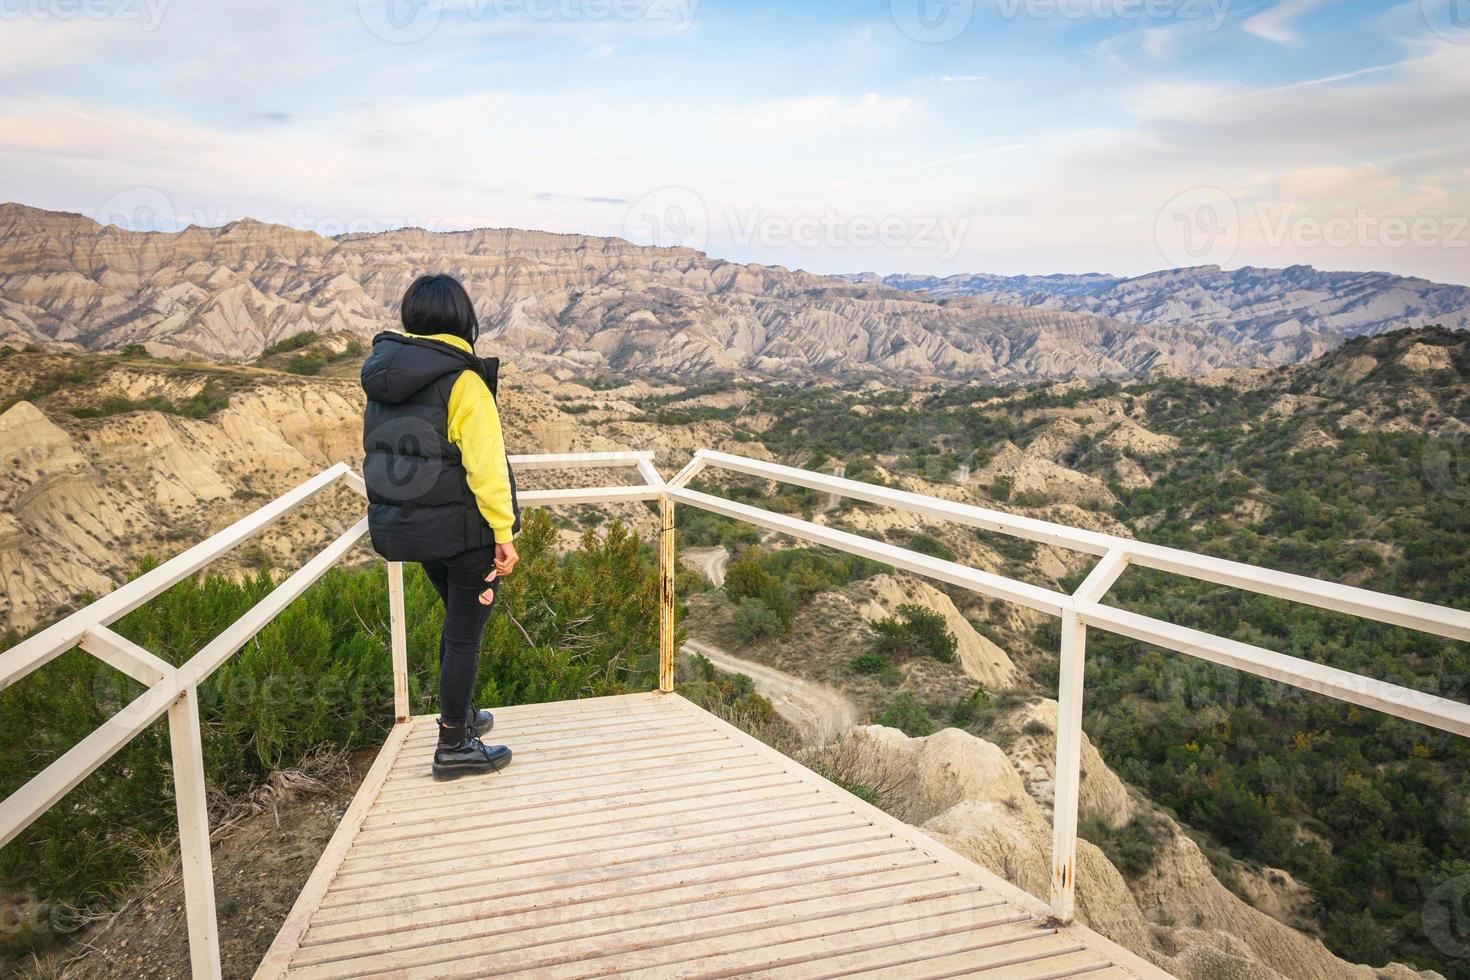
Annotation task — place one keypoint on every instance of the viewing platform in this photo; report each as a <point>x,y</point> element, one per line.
<point>641,836</point>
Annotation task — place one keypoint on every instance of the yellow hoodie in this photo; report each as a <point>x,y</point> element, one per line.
<point>474,427</point>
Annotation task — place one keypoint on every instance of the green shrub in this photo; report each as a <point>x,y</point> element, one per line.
<point>907,715</point>
<point>875,664</point>
<point>754,620</point>
<point>916,631</point>
<point>967,710</point>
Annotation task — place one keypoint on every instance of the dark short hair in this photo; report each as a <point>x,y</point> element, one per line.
<point>439,304</point>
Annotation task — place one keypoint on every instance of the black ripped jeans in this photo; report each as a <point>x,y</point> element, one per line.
<point>460,582</point>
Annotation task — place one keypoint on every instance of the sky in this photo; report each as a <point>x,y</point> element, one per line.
<point>920,136</point>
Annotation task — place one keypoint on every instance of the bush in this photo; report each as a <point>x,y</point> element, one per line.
<point>875,664</point>
<point>907,715</point>
<point>969,709</point>
<point>915,632</point>
<point>754,620</point>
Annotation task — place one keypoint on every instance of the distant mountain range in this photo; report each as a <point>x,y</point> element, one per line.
<point>1286,314</point>
<point>580,306</point>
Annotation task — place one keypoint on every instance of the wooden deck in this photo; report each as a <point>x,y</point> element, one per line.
<point>641,836</point>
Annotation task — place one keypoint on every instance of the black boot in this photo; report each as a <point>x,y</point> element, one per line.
<point>479,721</point>
<point>461,753</point>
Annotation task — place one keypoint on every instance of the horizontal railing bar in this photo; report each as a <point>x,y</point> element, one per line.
<point>18,810</point>
<point>588,495</point>
<point>1417,706</point>
<point>1403,702</point>
<point>1379,606</point>
<point>238,633</point>
<point>1045,532</point>
<point>988,583</point>
<point>568,461</point>
<point>123,654</point>
<point>56,639</point>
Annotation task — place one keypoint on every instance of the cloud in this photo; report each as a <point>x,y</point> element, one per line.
<point>821,113</point>
<point>1276,24</point>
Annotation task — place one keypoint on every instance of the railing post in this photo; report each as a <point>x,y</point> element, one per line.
<point>398,640</point>
<point>193,808</point>
<point>666,594</point>
<point>1068,769</point>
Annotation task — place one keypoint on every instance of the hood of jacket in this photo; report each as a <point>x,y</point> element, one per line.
<point>402,365</point>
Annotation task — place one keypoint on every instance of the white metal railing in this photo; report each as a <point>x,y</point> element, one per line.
<point>174,690</point>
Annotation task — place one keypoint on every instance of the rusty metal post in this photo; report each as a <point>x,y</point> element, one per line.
<point>666,595</point>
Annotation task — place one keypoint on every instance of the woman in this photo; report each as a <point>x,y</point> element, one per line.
<point>441,491</point>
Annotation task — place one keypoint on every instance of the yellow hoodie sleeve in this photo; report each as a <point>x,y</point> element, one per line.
<point>474,426</point>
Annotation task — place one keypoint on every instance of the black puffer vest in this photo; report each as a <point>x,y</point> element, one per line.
<point>420,506</point>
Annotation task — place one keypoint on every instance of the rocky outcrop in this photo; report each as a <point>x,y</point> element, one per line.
<point>967,793</point>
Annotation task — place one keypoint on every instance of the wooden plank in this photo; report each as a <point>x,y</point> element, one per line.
<point>736,940</point>
<point>914,957</point>
<point>298,920</point>
<point>738,953</point>
<point>531,795</point>
<point>830,829</point>
<point>616,926</point>
<point>426,728</point>
<point>1081,963</point>
<point>571,733</point>
<point>611,841</point>
<point>666,802</point>
<point>667,890</point>
<point>726,816</point>
<point>530,761</point>
<point>405,827</point>
<point>698,872</point>
<point>708,863</point>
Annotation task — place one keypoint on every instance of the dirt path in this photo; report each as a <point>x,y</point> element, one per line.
<point>819,711</point>
<point>709,562</point>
